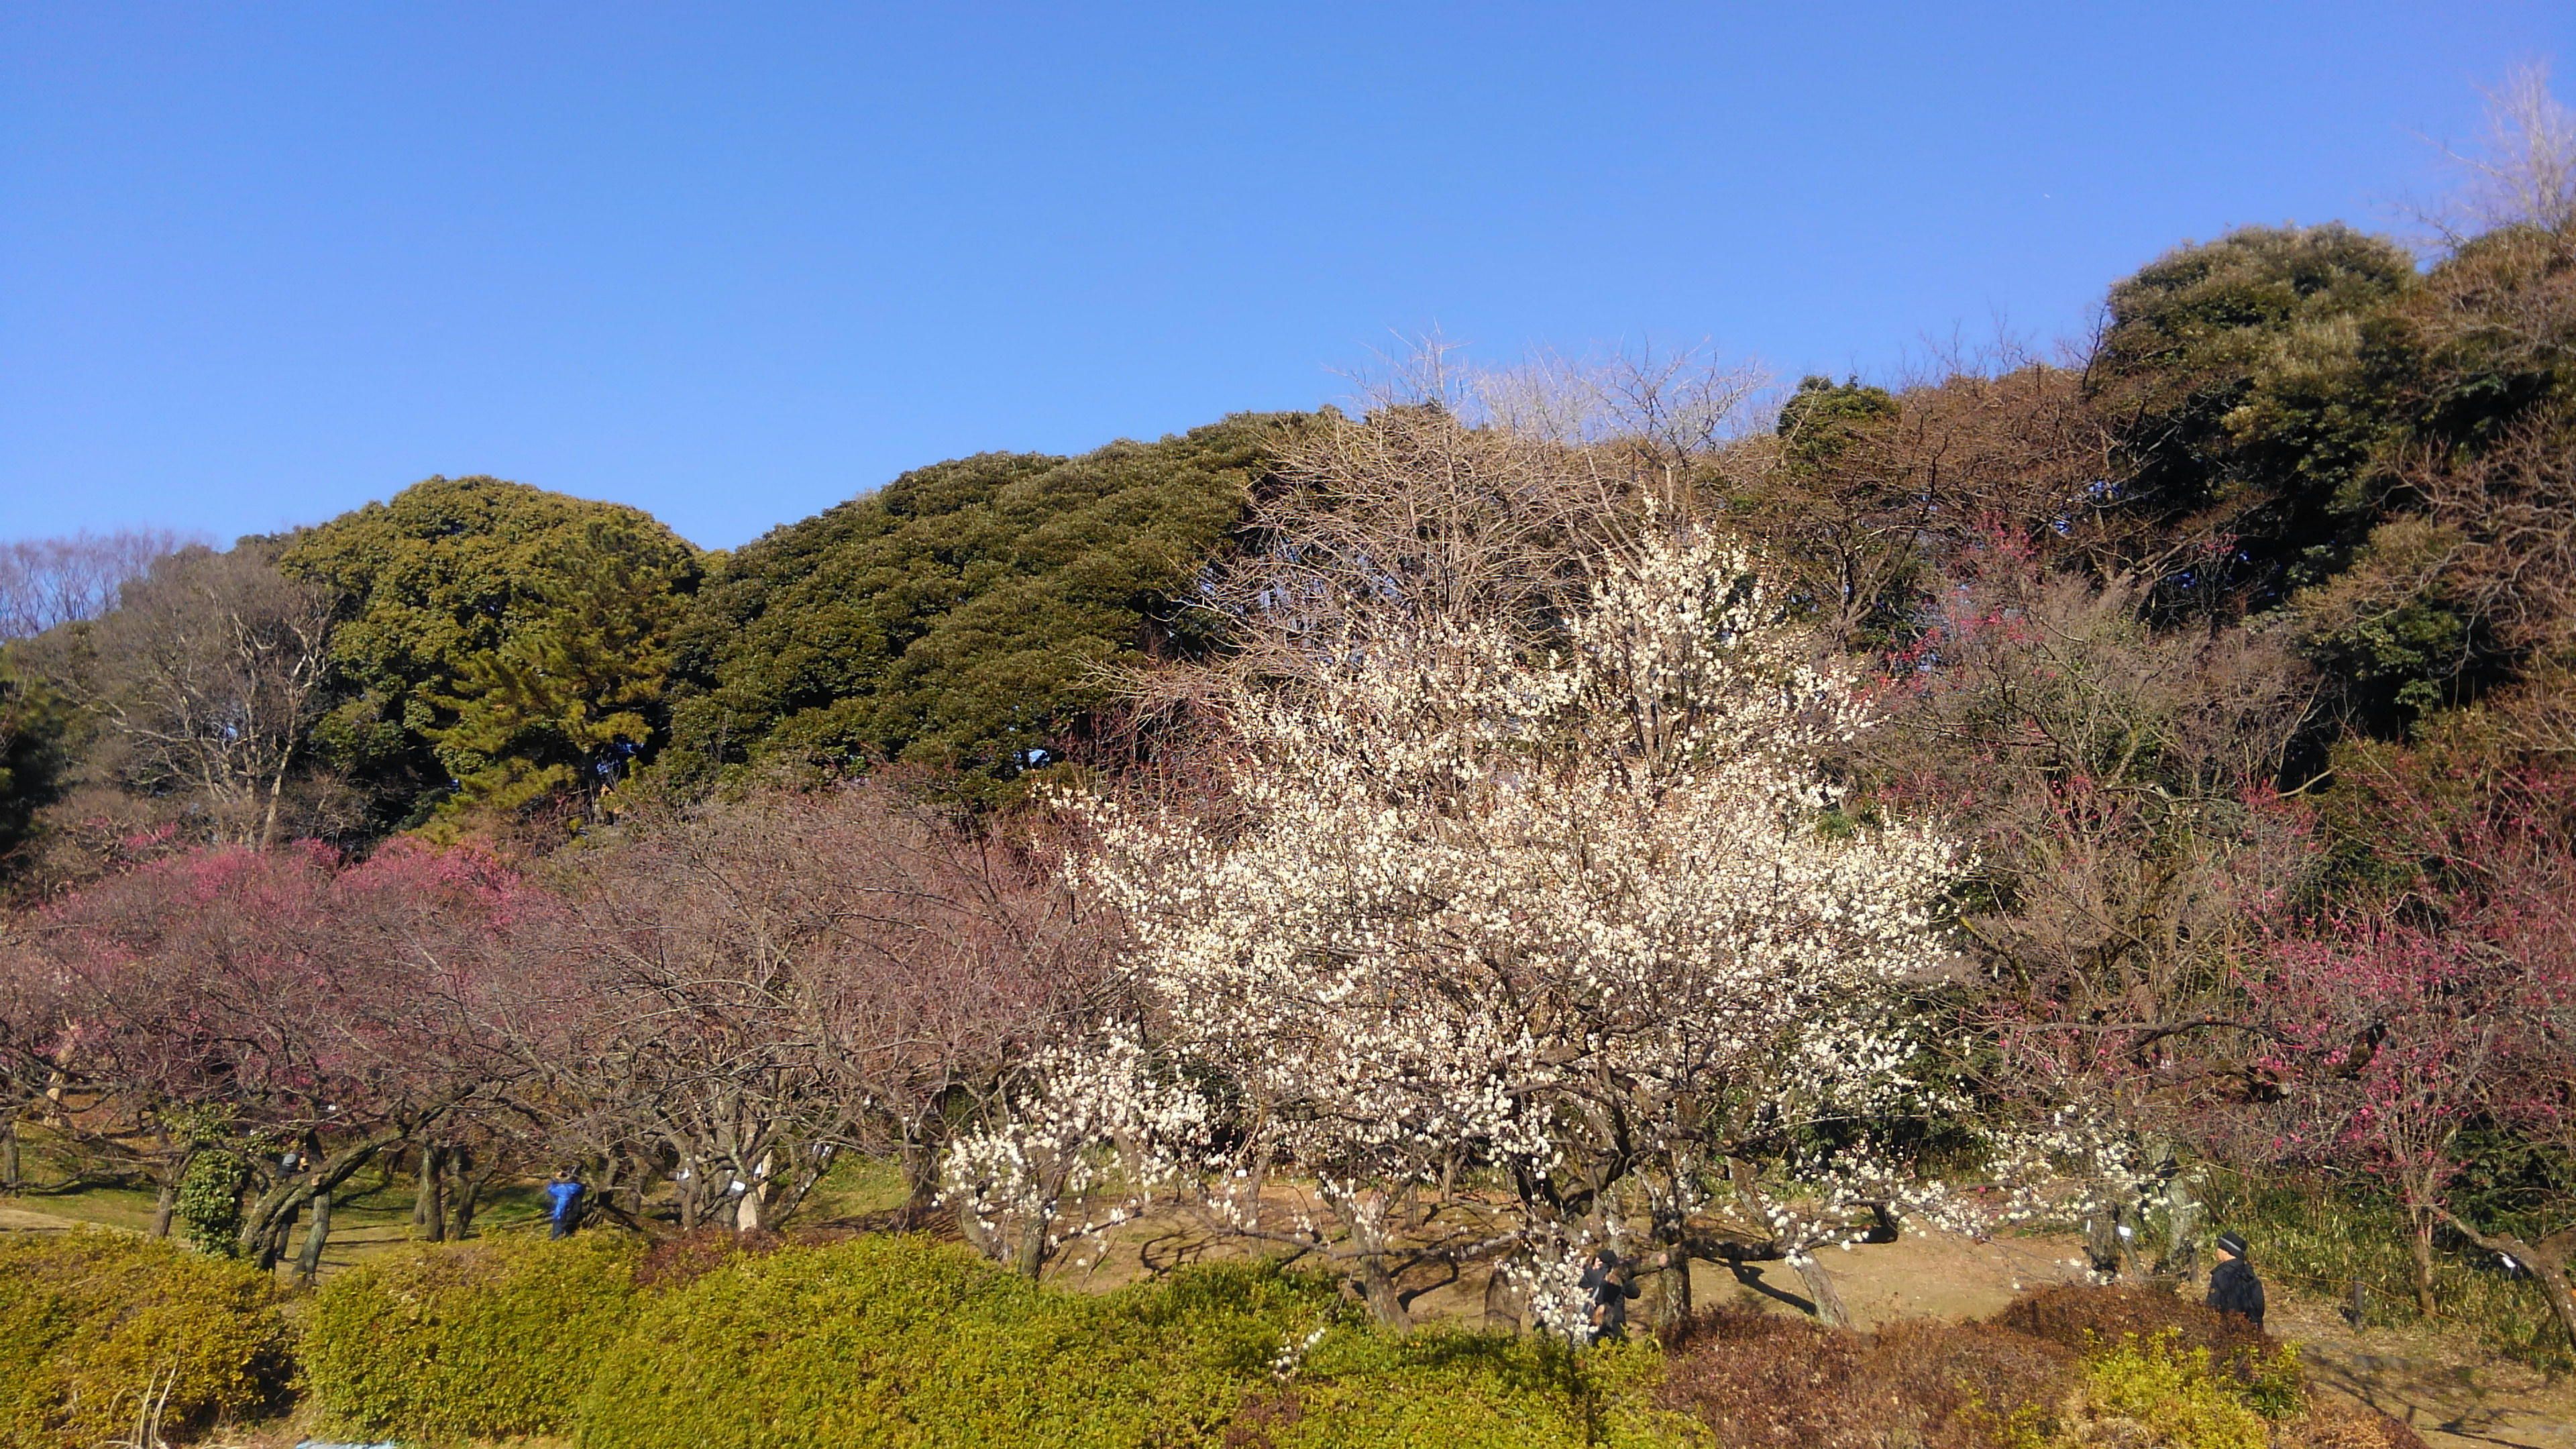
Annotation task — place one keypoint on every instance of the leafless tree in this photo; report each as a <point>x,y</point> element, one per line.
<point>205,682</point>
<point>1458,495</point>
<point>2115,782</point>
<point>2523,172</point>
<point>743,990</point>
<point>50,581</point>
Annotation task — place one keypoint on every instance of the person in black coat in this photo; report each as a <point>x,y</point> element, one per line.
<point>1609,1297</point>
<point>2233,1288</point>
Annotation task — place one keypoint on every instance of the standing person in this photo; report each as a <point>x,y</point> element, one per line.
<point>564,1194</point>
<point>2233,1288</point>
<point>1609,1297</point>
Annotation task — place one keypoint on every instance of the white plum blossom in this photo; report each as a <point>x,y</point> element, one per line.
<point>1507,942</point>
<point>1011,1183</point>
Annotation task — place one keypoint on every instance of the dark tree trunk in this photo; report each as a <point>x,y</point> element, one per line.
<point>920,1181</point>
<point>9,1179</point>
<point>429,1204</point>
<point>272,1239</point>
<point>466,1180</point>
<point>266,1223</point>
<point>308,1264</point>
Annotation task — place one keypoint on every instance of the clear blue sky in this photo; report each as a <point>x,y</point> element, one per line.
<point>261,263</point>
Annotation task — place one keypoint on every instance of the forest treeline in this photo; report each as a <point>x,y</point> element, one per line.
<point>2233,654</point>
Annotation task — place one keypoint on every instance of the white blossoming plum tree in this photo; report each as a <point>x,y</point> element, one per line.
<point>1514,945</point>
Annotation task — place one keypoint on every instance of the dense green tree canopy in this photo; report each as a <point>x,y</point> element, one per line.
<point>960,615</point>
<point>501,641</point>
<point>2249,379</point>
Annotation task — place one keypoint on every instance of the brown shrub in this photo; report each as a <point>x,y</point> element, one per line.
<point>672,1262</point>
<point>1258,1414</point>
<point>2086,1318</point>
<point>1972,1382</point>
<point>1766,1382</point>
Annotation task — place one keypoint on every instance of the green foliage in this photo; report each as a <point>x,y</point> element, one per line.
<point>501,641</point>
<point>960,615</point>
<point>488,1339</point>
<point>891,1341</point>
<point>580,687</point>
<point>2321,1238</point>
<point>1823,418</point>
<point>2182,1401</point>
<point>2497,322</point>
<point>2252,378</point>
<point>98,1320</point>
<point>209,1205</point>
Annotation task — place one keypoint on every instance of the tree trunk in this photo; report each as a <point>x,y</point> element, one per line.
<point>2103,1244</point>
<point>920,1183</point>
<point>9,1179</point>
<point>1498,1299</point>
<point>1377,1288</point>
<point>2182,1228</point>
<point>2420,1244</point>
<point>1673,1288</point>
<point>272,1238</point>
<point>308,1263</point>
<point>466,1186</point>
<point>165,1203</point>
<point>429,1205</point>
<point>1821,1290</point>
<point>264,1225</point>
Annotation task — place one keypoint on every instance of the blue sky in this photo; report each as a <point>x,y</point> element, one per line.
<point>259,264</point>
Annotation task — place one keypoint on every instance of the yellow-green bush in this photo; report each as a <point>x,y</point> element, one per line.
<point>95,1321</point>
<point>898,1342</point>
<point>489,1338</point>
<point>2183,1401</point>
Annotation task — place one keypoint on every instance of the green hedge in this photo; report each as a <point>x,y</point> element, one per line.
<point>897,1342</point>
<point>95,1320</point>
<point>486,1339</point>
<point>905,1343</point>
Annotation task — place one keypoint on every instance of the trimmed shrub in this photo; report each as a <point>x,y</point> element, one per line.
<point>892,1341</point>
<point>484,1339</point>
<point>2093,1320</point>
<point>2172,1392</point>
<point>99,1322</point>
<point>2105,1366</point>
<point>903,1342</point>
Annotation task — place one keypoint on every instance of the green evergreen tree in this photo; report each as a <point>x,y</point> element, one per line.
<point>963,615</point>
<point>501,640</point>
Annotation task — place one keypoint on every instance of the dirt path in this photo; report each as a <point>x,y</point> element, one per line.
<point>2441,1385</point>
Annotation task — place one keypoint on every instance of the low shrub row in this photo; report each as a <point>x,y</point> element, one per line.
<point>902,1342</point>
<point>490,1338</point>
<point>110,1338</point>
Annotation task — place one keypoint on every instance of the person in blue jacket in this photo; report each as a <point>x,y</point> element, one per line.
<point>564,1198</point>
